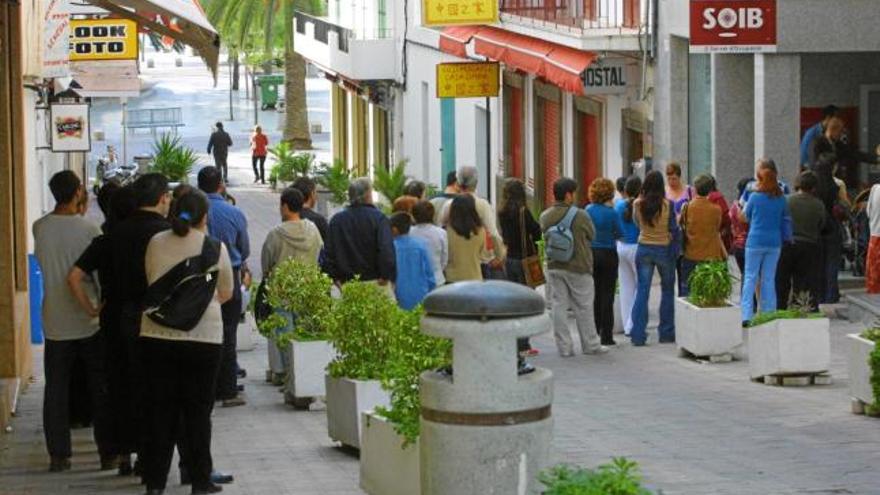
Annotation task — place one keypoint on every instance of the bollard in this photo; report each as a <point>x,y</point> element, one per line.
<point>485,430</point>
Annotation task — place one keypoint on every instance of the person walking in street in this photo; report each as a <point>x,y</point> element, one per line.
<point>182,365</point>
<point>570,274</point>
<point>415,272</point>
<point>658,249</point>
<point>801,261</point>
<point>700,222</point>
<point>608,230</point>
<point>60,237</point>
<point>309,190</point>
<point>218,146</point>
<point>872,262</point>
<point>467,240</point>
<point>439,201</point>
<point>259,148</point>
<point>627,246</point>
<point>295,238</point>
<point>434,237</point>
<point>767,215</point>
<point>227,224</point>
<point>360,243</point>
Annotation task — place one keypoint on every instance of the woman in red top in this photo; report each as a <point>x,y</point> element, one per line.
<point>259,143</point>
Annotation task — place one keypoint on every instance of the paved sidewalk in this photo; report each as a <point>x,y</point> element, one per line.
<point>695,428</point>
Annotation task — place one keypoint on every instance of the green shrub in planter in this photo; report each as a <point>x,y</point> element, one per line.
<point>363,332</point>
<point>412,353</point>
<point>710,285</point>
<point>390,181</point>
<point>873,334</point>
<point>799,309</point>
<point>172,159</point>
<point>290,165</point>
<point>336,179</point>
<point>620,477</point>
<point>302,291</point>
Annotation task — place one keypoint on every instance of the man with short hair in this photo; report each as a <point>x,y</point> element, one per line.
<point>440,200</point>
<point>309,191</point>
<point>360,242</point>
<point>296,237</point>
<point>415,272</point>
<point>571,282</point>
<point>227,224</point>
<point>817,129</point>
<point>219,145</point>
<point>60,237</point>
<point>467,183</point>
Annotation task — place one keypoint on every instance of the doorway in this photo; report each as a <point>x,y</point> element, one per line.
<point>869,125</point>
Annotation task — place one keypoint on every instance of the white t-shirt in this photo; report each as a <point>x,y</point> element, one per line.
<point>874,210</point>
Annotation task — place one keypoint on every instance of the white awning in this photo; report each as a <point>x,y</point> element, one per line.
<point>105,79</point>
<point>194,28</point>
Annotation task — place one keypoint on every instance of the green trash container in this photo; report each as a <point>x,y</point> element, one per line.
<point>269,90</point>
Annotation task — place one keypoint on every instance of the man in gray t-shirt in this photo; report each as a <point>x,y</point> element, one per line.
<point>71,331</point>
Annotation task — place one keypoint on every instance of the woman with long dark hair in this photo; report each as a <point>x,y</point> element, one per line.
<point>182,366</point>
<point>767,214</point>
<point>467,240</point>
<point>658,249</point>
<point>627,246</point>
<point>607,230</point>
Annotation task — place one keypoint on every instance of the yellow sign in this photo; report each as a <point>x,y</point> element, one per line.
<point>449,12</point>
<point>103,39</point>
<point>467,79</point>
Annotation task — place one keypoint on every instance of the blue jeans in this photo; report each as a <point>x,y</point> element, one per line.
<point>647,259</point>
<point>760,263</point>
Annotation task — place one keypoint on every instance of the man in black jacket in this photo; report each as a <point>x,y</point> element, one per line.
<point>360,241</point>
<point>219,145</point>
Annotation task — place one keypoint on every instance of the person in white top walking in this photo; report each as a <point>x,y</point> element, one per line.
<point>435,238</point>
<point>872,267</point>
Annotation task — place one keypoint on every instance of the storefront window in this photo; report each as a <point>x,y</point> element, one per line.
<point>548,141</point>
<point>699,115</point>
<point>587,127</point>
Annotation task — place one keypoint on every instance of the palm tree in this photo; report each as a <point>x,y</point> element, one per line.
<point>296,112</point>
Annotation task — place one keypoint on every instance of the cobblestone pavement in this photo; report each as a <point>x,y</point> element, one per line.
<point>695,428</point>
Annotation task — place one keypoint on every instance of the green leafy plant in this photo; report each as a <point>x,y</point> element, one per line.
<point>800,308</point>
<point>290,165</point>
<point>873,334</point>
<point>412,353</point>
<point>390,181</point>
<point>172,159</point>
<point>336,179</point>
<point>710,285</point>
<point>619,477</point>
<point>300,294</point>
<point>363,332</point>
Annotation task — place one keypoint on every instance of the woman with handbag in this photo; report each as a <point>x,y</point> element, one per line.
<point>521,233</point>
<point>605,261</point>
<point>181,340</point>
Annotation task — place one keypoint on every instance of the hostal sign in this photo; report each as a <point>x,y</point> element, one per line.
<point>606,77</point>
<point>103,39</point>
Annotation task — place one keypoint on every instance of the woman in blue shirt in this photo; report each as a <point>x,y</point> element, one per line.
<point>767,214</point>
<point>608,230</point>
<point>627,246</point>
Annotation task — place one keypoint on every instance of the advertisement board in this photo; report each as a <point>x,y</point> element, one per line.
<point>103,39</point>
<point>468,79</point>
<point>71,127</point>
<point>453,12</point>
<point>732,26</point>
<point>56,31</point>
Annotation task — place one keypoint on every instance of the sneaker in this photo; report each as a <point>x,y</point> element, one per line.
<point>566,354</point>
<point>221,478</point>
<point>58,464</point>
<point>525,369</point>
<point>599,350</point>
<point>234,402</point>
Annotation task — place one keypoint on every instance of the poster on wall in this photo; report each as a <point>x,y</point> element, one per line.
<point>71,128</point>
<point>732,26</point>
<point>56,38</point>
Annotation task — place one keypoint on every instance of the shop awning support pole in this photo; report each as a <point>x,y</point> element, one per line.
<point>489,178</point>
<point>124,132</point>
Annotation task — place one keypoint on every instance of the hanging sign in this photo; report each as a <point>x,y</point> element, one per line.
<point>56,31</point>
<point>70,127</point>
<point>103,39</point>
<point>732,26</point>
<point>467,79</point>
<point>607,77</point>
<point>451,12</point>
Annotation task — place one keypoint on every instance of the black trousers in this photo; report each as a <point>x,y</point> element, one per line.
<point>259,174</point>
<point>514,270</point>
<point>180,384</point>
<point>605,263</point>
<point>60,356</point>
<point>227,381</point>
<point>127,384</point>
<point>220,162</point>
<point>799,270</point>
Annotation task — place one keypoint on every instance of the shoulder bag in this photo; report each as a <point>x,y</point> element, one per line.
<point>531,264</point>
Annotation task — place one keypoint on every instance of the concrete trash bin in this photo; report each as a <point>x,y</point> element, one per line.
<point>485,430</point>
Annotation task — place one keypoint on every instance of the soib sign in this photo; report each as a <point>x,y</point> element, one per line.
<point>733,26</point>
<point>103,39</point>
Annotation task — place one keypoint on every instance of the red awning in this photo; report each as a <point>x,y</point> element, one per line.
<point>556,63</point>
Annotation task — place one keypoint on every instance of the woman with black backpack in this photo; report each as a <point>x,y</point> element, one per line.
<point>190,276</point>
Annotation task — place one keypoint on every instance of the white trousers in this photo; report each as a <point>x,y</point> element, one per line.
<point>629,282</point>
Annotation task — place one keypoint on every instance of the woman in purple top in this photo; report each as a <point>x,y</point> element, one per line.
<point>676,191</point>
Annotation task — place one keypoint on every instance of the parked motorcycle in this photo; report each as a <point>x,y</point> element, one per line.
<point>109,170</point>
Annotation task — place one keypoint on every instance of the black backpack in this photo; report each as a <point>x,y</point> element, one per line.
<point>179,298</point>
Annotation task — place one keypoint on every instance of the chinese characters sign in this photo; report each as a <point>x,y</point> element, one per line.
<point>449,12</point>
<point>70,127</point>
<point>467,79</point>
<point>733,26</point>
<point>103,39</point>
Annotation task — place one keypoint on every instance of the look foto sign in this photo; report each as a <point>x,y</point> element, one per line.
<point>103,39</point>
<point>451,12</point>
<point>733,26</point>
<point>467,79</point>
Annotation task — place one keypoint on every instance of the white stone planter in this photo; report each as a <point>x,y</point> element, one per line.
<point>618,321</point>
<point>790,347</point>
<point>706,332</point>
<point>308,362</point>
<point>386,467</point>
<point>346,400</point>
<point>858,351</point>
<point>276,362</point>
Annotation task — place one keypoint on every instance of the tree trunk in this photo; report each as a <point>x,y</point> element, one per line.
<point>296,113</point>
<point>235,72</point>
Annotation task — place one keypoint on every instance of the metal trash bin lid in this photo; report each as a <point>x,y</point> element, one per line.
<point>484,300</point>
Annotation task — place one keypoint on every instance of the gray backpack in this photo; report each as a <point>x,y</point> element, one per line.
<point>559,239</point>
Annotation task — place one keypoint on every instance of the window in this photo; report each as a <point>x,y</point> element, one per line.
<point>514,126</point>
<point>548,141</point>
<point>587,128</point>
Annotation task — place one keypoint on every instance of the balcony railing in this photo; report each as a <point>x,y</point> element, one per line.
<point>580,14</point>
<point>324,26</point>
